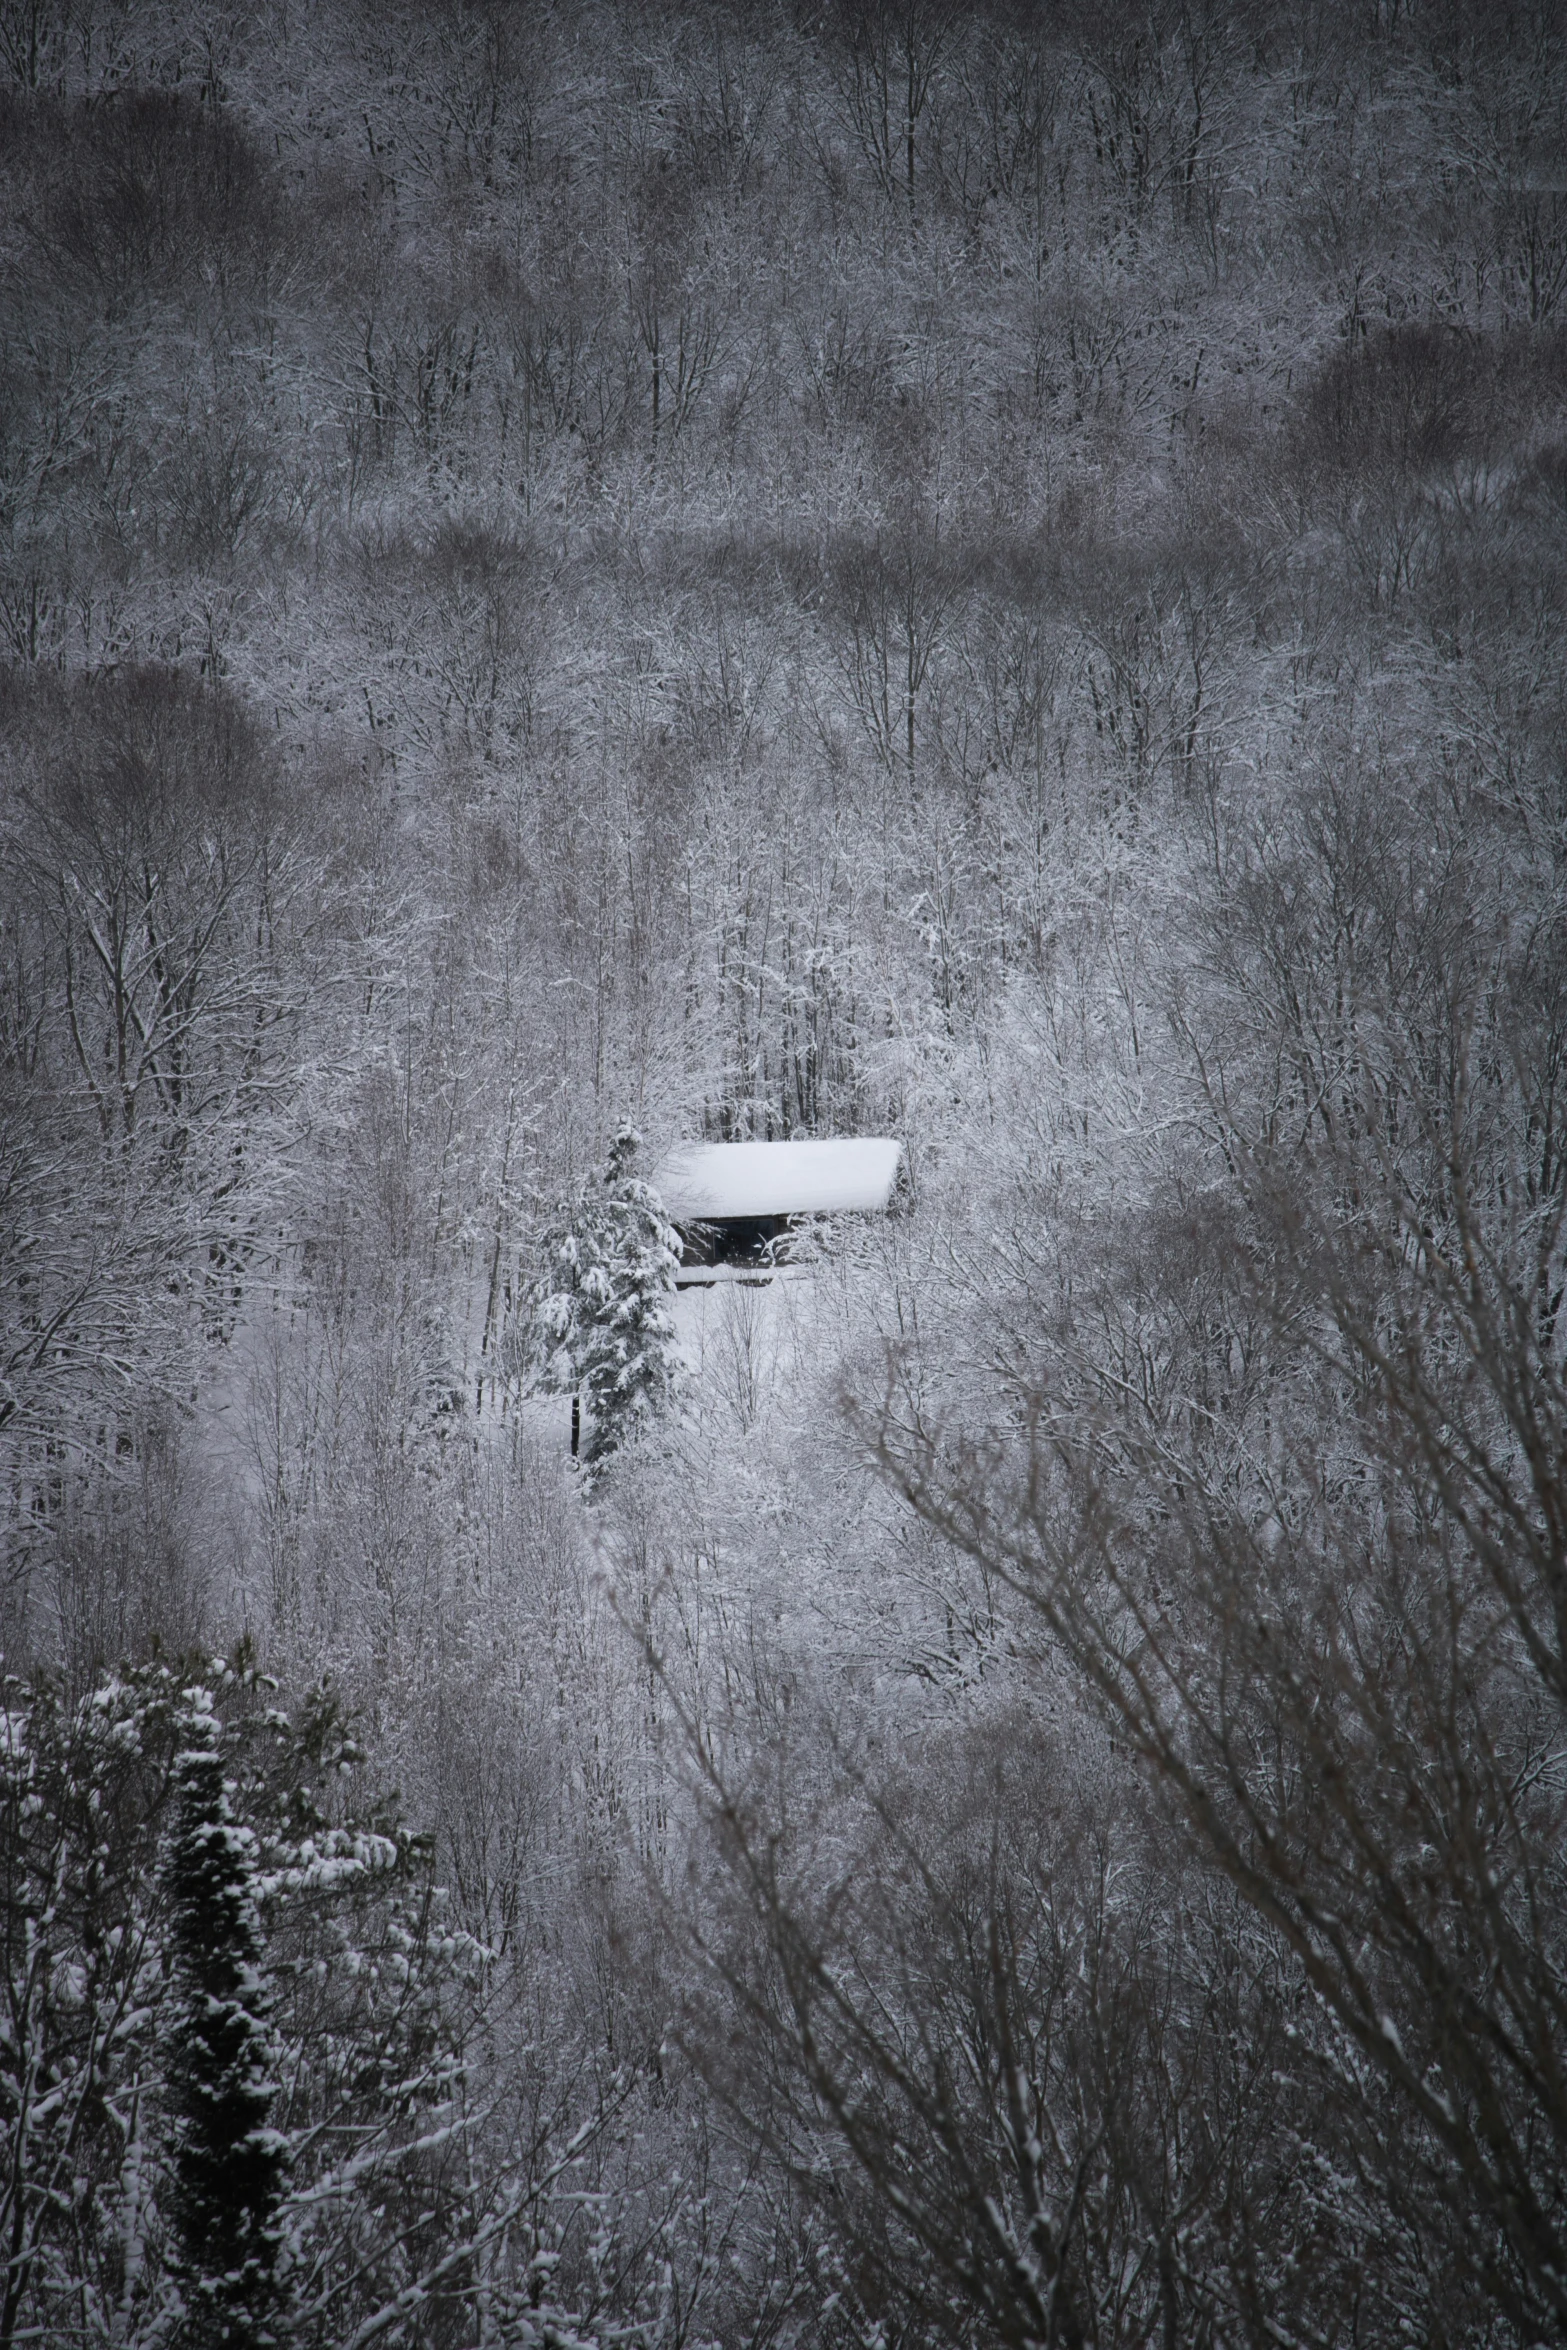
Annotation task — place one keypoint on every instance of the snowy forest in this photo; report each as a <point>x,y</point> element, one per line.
<point>583,576</point>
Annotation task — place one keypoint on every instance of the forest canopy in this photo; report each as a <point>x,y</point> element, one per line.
<point>582,578</point>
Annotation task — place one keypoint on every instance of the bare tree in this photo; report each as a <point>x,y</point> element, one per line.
<point>892,53</point>
<point>1035,2072</point>
<point>1331,1626</point>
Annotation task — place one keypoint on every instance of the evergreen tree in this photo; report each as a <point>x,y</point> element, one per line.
<point>597,1321</point>
<point>228,2161</point>
<point>190,1912</point>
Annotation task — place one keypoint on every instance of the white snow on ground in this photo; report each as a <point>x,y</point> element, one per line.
<point>718,1179</point>
<point>744,1343</point>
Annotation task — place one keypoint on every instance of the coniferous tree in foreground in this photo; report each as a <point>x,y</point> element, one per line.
<point>235,2033</point>
<point>229,2162</point>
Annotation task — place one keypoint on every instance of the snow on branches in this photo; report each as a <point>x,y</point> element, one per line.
<point>596,1321</point>
<point>234,2029</point>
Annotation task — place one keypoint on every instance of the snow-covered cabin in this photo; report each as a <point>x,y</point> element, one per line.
<point>735,1203</point>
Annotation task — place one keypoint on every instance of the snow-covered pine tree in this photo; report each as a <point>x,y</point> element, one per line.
<point>228,2162</point>
<point>188,1910</point>
<point>597,1320</point>
<point>628,1360</point>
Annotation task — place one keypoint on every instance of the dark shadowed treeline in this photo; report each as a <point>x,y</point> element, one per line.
<point>992,574</point>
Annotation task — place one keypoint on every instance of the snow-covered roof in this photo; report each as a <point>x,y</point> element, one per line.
<point>705,1182</point>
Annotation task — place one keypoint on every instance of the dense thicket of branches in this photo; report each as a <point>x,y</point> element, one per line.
<point>990,573</point>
